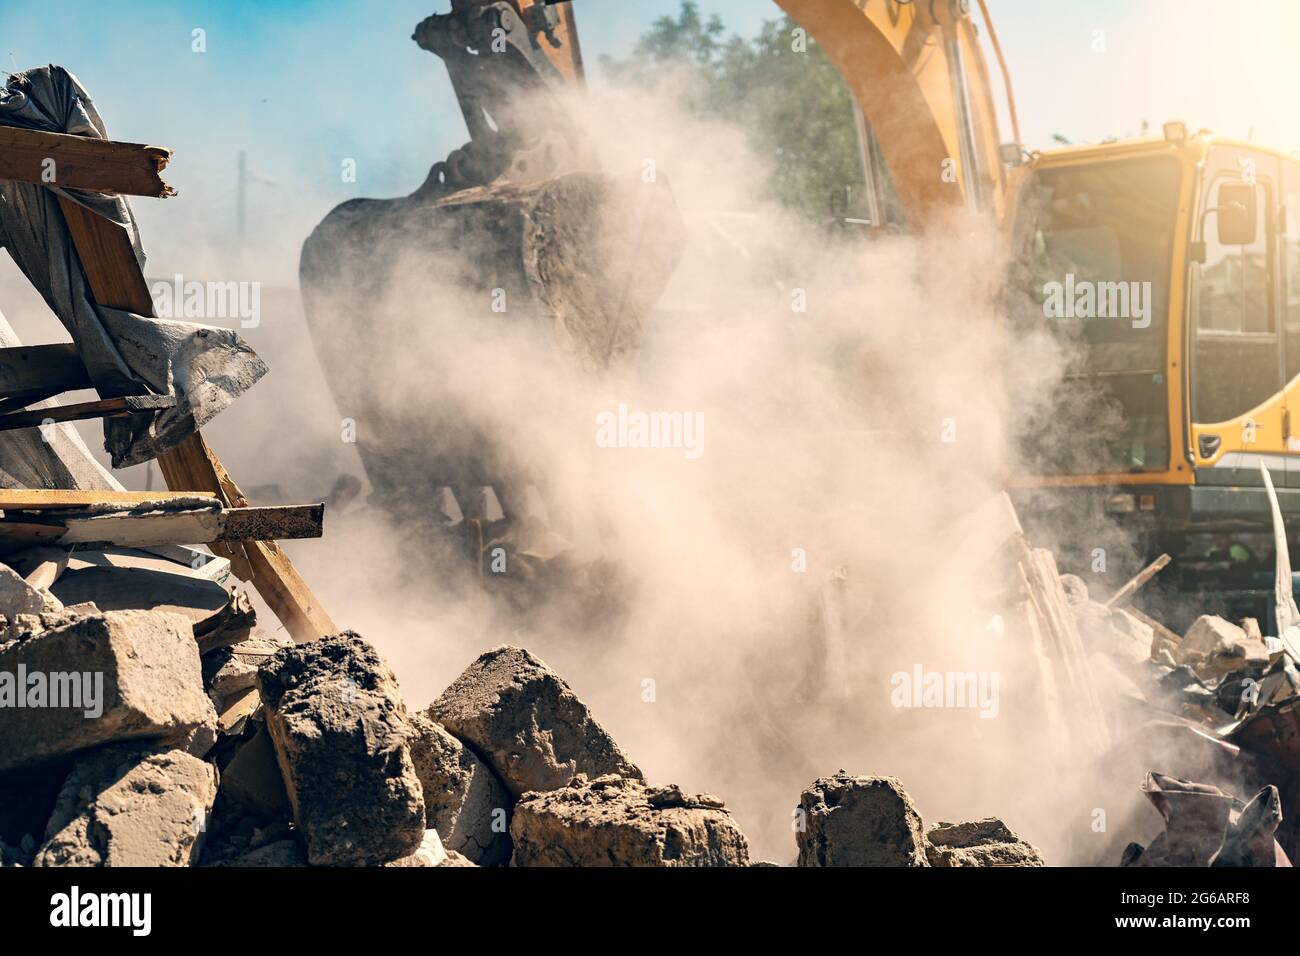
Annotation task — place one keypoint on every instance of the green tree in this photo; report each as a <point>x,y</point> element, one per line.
<point>780,86</point>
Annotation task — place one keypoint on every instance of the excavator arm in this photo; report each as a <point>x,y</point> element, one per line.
<point>918,75</point>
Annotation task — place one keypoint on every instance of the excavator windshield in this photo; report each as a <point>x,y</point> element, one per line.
<point>1088,299</point>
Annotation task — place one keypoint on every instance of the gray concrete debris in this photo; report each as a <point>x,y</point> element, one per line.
<point>1214,647</point>
<point>17,596</point>
<point>859,821</point>
<point>463,799</point>
<point>987,842</point>
<point>340,732</point>
<point>127,806</point>
<point>431,852</point>
<point>252,776</point>
<point>138,669</point>
<point>615,821</point>
<point>527,724</point>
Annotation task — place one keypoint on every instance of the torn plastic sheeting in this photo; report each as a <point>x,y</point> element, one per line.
<point>204,366</point>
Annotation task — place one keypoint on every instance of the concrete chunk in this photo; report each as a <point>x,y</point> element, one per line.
<point>431,852</point>
<point>859,821</point>
<point>463,799</point>
<point>987,842</point>
<point>1214,647</point>
<point>522,719</point>
<point>340,732</point>
<point>127,806</point>
<point>17,596</point>
<point>108,678</point>
<point>614,821</point>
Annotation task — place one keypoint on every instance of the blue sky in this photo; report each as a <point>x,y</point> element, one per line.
<point>302,84</point>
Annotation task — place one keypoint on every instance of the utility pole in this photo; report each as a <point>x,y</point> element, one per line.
<point>241,192</point>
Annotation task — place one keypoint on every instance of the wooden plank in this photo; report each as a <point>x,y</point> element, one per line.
<point>83,162</point>
<point>24,529</point>
<point>136,529</point>
<point>1142,577</point>
<point>108,259</point>
<point>36,499</point>
<point>35,372</point>
<point>192,465</point>
<point>103,408</point>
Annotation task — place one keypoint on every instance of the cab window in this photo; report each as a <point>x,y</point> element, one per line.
<point>1237,349</point>
<point>1291,270</point>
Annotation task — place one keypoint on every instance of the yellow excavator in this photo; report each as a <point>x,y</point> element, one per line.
<point>1164,271</point>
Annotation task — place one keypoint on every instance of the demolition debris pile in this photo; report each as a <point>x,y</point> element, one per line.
<point>146,719</point>
<point>204,742</point>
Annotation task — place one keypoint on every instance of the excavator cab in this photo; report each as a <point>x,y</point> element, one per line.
<point>1162,276</point>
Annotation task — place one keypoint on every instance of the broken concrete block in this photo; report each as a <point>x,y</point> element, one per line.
<point>987,842</point>
<point>128,806</point>
<point>1075,588</point>
<point>107,678</point>
<point>859,821</point>
<point>463,799</point>
<point>524,721</point>
<point>431,852</point>
<point>340,732</point>
<point>252,777</point>
<point>1214,647</point>
<point>616,821</point>
<point>17,596</point>
<point>1113,631</point>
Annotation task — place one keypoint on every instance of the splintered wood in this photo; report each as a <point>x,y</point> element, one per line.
<point>1047,613</point>
<point>83,162</point>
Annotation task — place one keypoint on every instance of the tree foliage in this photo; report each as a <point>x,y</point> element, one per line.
<point>780,86</point>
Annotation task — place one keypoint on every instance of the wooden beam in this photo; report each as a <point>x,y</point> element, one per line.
<point>40,499</point>
<point>103,408</point>
<point>35,372</point>
<point>83,162</point>
<point>138,529</point>
<point>1142,577</point>
<point>108,259</point>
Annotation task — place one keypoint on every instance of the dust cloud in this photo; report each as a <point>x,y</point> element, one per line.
<point>753,605</point>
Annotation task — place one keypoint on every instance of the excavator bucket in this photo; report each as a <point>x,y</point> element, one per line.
<point>516,229</point>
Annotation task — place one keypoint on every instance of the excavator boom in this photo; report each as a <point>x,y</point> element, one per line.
<point>918,75</point>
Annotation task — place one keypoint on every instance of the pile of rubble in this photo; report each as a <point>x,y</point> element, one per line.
<point>202,742</point>
<point>1213,715</point>
<point>845,820</point>
<point>156,738</point>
